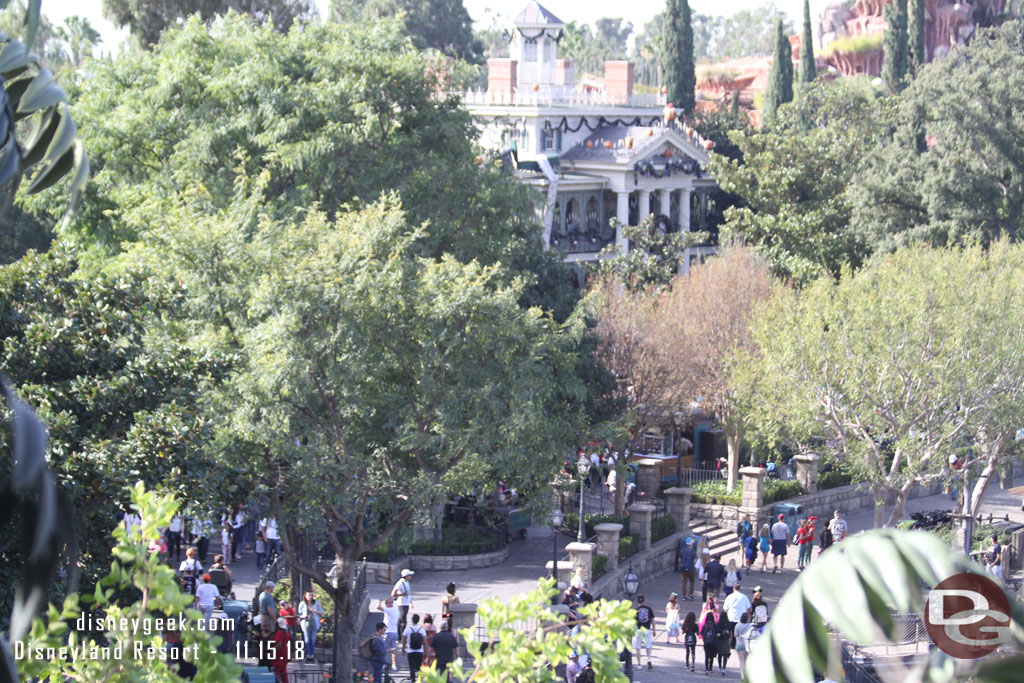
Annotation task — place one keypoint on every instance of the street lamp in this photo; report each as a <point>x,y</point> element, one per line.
<point>556,523</point>
<point>583,468</point>
<point>630,582</point>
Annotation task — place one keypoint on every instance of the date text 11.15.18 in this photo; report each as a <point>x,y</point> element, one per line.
<point>267,650</point>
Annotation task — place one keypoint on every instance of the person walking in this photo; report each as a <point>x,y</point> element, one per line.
<point>645,631</point>
<point>714,573</point>
<point>751,552</point>
<point>744,529</point>
<point>736,604</point>
<point>733,577</point>
<point>743,632</point>
<point>402,594</point>
<point>709,636</point>
<point>764,545</point>
<point>414,639</point>
<point>392,615</point>
<point>825,540</point>
<point>225,540</point>
<point>205,599</point>
<point>449,599</point>
<point>446,648</point>
<point>838,526</point>
<point>380,652</point>
<point>267,605</point>
<point>758,609</point>
<point>672,619</point>
<point>310,614</point>
<point>688,567</point>
<point>994,559</point>
<point>702,563</point>
<point>724,640</point>
<point>804,541</point>
<point>690,630</point>
<point>780,544</point>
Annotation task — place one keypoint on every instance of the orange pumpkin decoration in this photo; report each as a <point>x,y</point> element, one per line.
<point>650,132</point>
<point>607,144</point>
<point>708,144</point>
<point>629,143</point>
<point>668,153</point>
<point>664,90</point>
<point>536,87</point>
<point>590,144</point>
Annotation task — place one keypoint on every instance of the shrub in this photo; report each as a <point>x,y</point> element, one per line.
<point>775,491</point>
<point>713,493</point>
<point>599,567</point>
<point>833,479</point>
<point>572,522</point>
<point>627,546</point>
<point>662,528</point>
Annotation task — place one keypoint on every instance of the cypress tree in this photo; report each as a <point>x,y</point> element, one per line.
<point>734,103</point>
<point>915,35</point>
<point>670,53</point>
<point>687,67</point>
<point>894,46</point>
<point>807,69</point>
<point>780,78</point>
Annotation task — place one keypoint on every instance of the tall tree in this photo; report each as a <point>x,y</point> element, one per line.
<point>670,52</point>
<point>808,71</point>
<point>915,34</point>
<point>748,32</point>
<point>147,19</point>
<point>79,38</point>
<point>687,64</point>
<point>895,46</point>
<point>897,366</point>
<point>443,25</point>
<point>780,78</point>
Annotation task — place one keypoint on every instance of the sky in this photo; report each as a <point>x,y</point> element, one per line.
<point>483,12</point>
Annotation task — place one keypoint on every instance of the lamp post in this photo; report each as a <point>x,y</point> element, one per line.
<point>630,582</point>
<point>583,468</point>
<point>556,522</point>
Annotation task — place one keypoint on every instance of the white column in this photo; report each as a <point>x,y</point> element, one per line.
<point>666,203</point>
<point>622,216</point>
<point>644,205</point>
<point>684,209</point>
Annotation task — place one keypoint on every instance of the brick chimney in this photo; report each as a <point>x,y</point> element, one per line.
<point>502,76</point>
<point>618,81</point>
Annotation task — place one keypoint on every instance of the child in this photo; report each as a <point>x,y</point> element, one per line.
<point>261,550</point>
<point>225,541</point>
<point>672,618</point>
<point>764,545</point>
<point>690,639</point>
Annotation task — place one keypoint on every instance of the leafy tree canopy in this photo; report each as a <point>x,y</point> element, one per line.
<point>793,178</point>
<point>590,47</point>
<point>952,171</point>
<point>443,25</point>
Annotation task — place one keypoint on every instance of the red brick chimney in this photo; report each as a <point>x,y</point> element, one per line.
<point>502,76</point>
<point>618,81</point>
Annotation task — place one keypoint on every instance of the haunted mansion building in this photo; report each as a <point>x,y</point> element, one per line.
<point>596,152</point>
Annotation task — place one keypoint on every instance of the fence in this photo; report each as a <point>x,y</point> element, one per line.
<point>910,642</point>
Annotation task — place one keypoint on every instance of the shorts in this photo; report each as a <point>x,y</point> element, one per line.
<point>779,546</point>
<point>643,639</point>
<point>390,641</point>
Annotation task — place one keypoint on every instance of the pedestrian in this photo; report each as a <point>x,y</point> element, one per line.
<point>271,536</point>
<point>190,569</point>
<point>428,647</point>
<point>709,607</point>
<point>225,540</point>
<point>573,668</point>
<point>780,544</point>
<point>705,560</point>
<point>724,640</point>
<point>743,632</point>
<point>709,636</point>
<point>838,526</point>
<point>764,545</point>
<point>291,618</point>
<point>380,652</point>
<point>826,539</point>
<point>687,558</point>
<point>174,538</point>
<point>743,530</point>
<point>446,648</point>
<point>261,551</point>
<point>751,551</point>
<point>577,580</point>
<point>736,604</point>
<point>804,541</point>
<point>267,605</point>
<point>402,593</point>
<point>237,521</point>
<point>414,638</point>
<point>310,614</point>
<point>205,599</point>
<point>672,618</point>
<point>758,609</point>
<point>733,577</point>
<point>714,573</point>
<point>690,639</point>
<point>645,631</point>
<point>994,559</point>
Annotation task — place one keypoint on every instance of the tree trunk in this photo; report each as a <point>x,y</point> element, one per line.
<point>348,627</point>
<point>899,505</point>
<point>732,443</point>
<point>879,495</point>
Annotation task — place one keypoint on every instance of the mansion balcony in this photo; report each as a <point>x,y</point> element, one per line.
<point>561,96</point>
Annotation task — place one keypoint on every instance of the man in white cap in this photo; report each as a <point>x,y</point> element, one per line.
<point>573,668</point>
<point>402,593</point>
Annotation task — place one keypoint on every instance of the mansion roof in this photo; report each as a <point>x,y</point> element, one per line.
<point>535,15</point>
<point>628,143</point>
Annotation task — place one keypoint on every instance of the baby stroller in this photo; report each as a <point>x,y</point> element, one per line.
<point>220,579</point>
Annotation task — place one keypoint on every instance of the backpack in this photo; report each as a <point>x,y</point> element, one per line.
<point>365,649</point>
<point>760,614</point>
<point>710,632</point>
<point>691,638</point>
<point>687,558</point>
<point>731,579</point>
<point>416,639</point>
<point>643,616</point>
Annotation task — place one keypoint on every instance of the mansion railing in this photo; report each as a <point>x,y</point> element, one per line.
<point>561,97</point>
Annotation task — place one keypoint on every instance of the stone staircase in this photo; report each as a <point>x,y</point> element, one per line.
<point>720,541</point>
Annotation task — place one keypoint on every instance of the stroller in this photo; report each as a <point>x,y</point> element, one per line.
<point>220,579</point>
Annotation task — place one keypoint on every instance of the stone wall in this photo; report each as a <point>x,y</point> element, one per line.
<point>382,572</point>
<point>849,499</point>
<point>659,560</point>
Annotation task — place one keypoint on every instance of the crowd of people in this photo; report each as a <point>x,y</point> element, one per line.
<point>776,539</point>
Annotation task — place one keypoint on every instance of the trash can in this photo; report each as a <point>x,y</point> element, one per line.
<point>792,514</point>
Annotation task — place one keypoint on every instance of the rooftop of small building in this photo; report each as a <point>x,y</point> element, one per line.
<point>536,15</point>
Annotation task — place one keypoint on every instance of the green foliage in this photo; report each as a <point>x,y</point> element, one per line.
<point>714,493</point>
<point>854,44</point>
<point>775,490</point>
<point>598,567</point>
<point>148,19</point>
<point>117,408</point>
<point>662,528</point>
<point>530,655</point>
<point>895,46</point>
<point>591,47</point>
<point>628,545</point>
<point>780,78</point>
<point>833,479</point>
<point>950,172</point>
<point>140,587</point>
<point>718,125</point>
<point>686,75</point>
<point>856,591</point>
<point>915,36</point>
<point>808,70</point>
<point>21,232</point>
<point>442,25</point>
<point>283,591</point>
<point>794,176</point>
<point>653,255</point>
<point>572,522</point>
<point>455,540</point>
<point>671,52</point>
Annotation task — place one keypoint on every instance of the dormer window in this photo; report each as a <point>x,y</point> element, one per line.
<point>530,50</point>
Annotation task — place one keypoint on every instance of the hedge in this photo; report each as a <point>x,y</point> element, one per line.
<point>662,528</point>
<point>713,493</point>
<point>775,490</point>
<point>599,567</point>
<point>833,479</point>
<point>627,546</point>
<point>572,522</point>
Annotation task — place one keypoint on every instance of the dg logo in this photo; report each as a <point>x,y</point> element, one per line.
<point>967,616</point>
